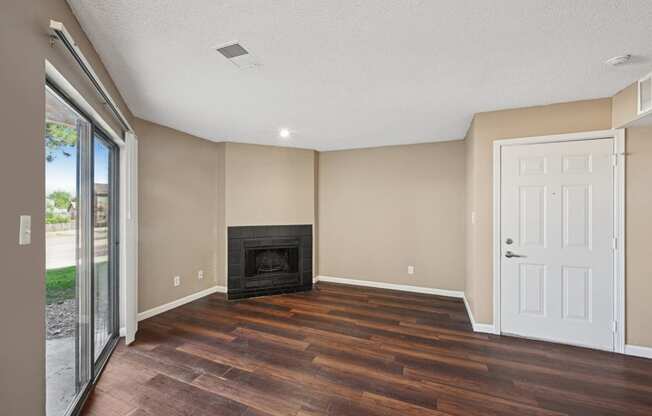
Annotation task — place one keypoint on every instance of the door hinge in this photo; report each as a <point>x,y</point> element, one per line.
<point>614,160</point>
<point>614,326</point>
<point>614,243</point>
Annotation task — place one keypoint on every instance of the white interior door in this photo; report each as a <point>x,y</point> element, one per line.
<point>557,236</point>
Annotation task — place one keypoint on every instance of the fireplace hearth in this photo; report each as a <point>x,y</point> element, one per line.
<point>266,260</point>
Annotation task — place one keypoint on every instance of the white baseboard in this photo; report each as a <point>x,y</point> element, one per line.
<point>645,352</point>
<point>477,327</point>
<point>485,328</point>
<point>174,304</point>
<point>391,286</point>
<point>123,332</point>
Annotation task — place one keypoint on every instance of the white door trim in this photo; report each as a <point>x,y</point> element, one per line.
<point>619,219</point>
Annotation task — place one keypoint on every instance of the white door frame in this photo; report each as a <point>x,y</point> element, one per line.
<point>618,135</point>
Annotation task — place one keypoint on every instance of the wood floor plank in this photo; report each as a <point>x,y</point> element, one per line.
<point>248,333</point>
<point>103,404</point>
<point>398,406</point>
<point>435,357</point>
<point>491,385</point>
<point>159,364</point>
<point>247,396</point>
<point>343,350</point>
<point>414,393</point>
<point>186,399</point>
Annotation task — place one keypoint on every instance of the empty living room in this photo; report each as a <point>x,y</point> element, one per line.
<point>326,208</point>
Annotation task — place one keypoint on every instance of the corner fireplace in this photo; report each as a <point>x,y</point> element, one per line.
<point>265,260</point>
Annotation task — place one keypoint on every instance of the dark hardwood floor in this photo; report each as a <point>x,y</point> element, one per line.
<point>344,350</point>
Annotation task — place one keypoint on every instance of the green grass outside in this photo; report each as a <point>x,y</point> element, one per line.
<point>60,284</point>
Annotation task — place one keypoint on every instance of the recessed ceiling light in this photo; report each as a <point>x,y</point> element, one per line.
<point>618,60</point>
<point>284,133</point>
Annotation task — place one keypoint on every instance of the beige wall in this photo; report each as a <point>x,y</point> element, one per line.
<point>638,231</point>
<point>179,203</point>
<point>624,106</point>
<point>385,208</point>
<point>469,241</point>
<point>268,185</point>
<point>24,45</point>
<point>523,122</point>
<point>192,189</point>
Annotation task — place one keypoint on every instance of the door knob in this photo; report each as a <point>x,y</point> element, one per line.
<point>509,255</point>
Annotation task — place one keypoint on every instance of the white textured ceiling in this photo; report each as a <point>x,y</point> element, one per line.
<point>357,73</point>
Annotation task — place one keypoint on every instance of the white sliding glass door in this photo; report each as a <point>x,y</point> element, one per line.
<point>81,239</point>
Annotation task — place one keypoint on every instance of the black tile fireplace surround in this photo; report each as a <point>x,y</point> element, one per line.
<point>269,260</point>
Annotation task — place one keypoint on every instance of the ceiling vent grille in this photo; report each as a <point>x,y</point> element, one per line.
<point>238,55</point>
<point>232,51</point>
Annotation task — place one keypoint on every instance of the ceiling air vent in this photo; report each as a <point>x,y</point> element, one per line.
<point>238,55</point>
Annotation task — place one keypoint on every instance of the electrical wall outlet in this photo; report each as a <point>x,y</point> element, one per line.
<point>177,281</point>
<point>410,269</point>
<point>200,274</point>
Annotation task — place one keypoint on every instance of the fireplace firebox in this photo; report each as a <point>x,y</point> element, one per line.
<point>271,260</point>
<point>265,260</point>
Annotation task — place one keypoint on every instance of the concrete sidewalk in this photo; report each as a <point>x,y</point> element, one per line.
<point>60,247</point>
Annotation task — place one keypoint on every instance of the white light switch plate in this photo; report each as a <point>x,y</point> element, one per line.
<point>410,269</point>
<point>25,235</point>
<point>177,281</point>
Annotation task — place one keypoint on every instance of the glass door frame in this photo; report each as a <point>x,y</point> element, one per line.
<point>113,249</point>
<point>89,372</point>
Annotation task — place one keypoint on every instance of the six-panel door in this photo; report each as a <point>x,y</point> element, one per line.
<point>557,273</point>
